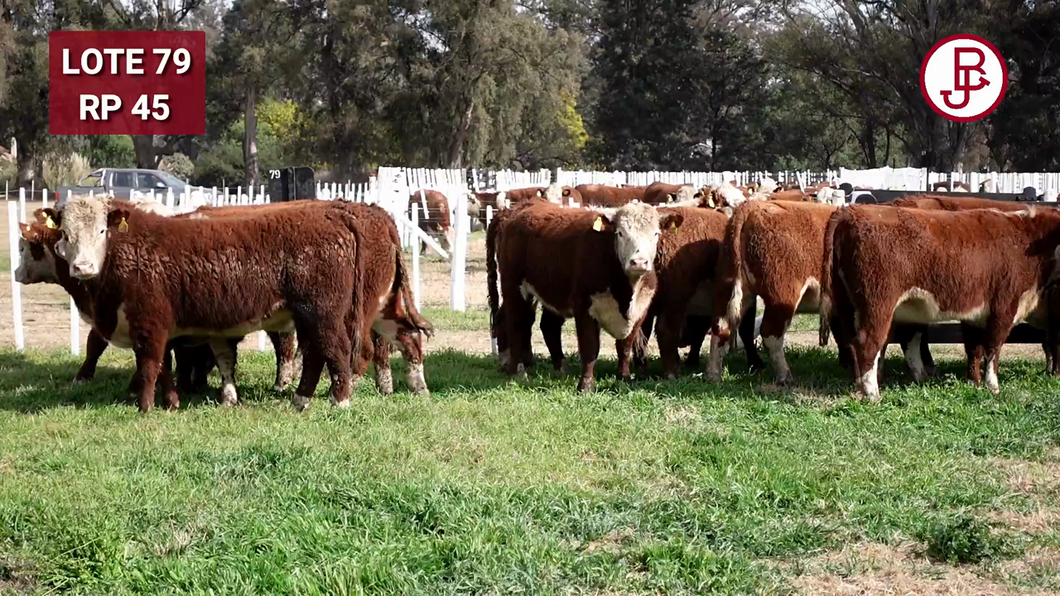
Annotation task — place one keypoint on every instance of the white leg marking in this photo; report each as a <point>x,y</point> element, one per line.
<point>716,358</point>
<point>991,376</point>
<point>868,381</point>
<point>384,380</point>
<point>227,367</point>
<point>415,379</point>
<point>775,347</point>
<point>912,358</point>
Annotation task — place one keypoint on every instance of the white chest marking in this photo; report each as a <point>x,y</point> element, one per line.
<point>121,337</point>
<point>605,309</point>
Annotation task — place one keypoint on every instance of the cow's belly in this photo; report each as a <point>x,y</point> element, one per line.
<point>530,293</point>
<point>605,309</point>
<point>702,302</point>
<point>280,321</point>
<point>917,305</point>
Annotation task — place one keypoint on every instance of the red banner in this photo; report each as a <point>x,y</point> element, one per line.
<point>127,82</point>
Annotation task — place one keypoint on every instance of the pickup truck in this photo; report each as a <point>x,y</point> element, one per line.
<point>122,183</point>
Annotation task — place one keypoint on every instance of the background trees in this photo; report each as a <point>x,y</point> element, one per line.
<point>347,85</point>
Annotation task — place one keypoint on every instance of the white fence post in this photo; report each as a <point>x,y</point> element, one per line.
<point>262,337</point>
<point>456,295</point>
<point>22,210</point>
<point>44,197</point>
<point>416,257</point>
<point>16,289</point>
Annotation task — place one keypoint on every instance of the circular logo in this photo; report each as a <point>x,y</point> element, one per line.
<point>963,78</point>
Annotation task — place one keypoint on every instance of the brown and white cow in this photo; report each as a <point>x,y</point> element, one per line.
<point>601,195</point>
<point>772,250</point>
<point>659,193</point>
<point>685,263</point>
<point>594,266</point>
<point>161,279</point>
<point>897,264</point>
<point>434,216</point>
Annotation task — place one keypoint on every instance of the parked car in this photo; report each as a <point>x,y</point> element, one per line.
<point>123,182</point>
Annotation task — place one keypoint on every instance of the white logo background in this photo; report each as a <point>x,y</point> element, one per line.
<point>939,76</point>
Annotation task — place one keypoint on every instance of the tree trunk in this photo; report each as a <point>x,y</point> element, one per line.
<point>250,138</point>
<point>144,146</point>
<point>456,147</point>
<point>27,165</point>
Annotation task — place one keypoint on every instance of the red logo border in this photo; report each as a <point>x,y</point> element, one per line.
<point>1004,81</point>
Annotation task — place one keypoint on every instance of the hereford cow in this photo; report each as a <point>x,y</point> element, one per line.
<point>390,316</point>
<point>40,264</point>
<point>610,196</point>
<point>945,187</point>
<point>659,193</point>
<point>594,266</point>
<point>434,216</point>
<point>161,279</point>
<point>898,264</point>
<point>685,264</point>
<point>494,200</point>
<point>772,250</point>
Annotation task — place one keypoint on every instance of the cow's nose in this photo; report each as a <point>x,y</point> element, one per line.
<point>639,264</point>
<point>84,269</point>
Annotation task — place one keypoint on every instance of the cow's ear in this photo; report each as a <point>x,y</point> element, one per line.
<point>118,218</point>
<point>602,223</point>
<point>670,198</point>
<point>27,231</point>
<point>566,192</point>
<point>670,221</point>
<point>49,217</point>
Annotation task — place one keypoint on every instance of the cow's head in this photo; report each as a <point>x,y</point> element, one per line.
<point>636,228</point>
<point>502,201</point>
<point>84,225</point>
<point>684,193</point>
<point>572,195</point>
<point>554,194</point>
<point>36,252</point>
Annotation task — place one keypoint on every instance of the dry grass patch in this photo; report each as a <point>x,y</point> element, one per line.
<point>1029,477</point>
<point>873,568</point>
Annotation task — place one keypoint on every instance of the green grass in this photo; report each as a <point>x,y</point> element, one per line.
<point>495,486</point>
<point>5,263</point>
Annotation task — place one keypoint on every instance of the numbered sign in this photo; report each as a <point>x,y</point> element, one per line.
<point>290,184</point>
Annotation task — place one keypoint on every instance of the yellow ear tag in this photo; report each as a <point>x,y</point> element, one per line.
<point>598,225</point>
<point>48,223</point>
<point>673,226</point>
<point>123,226</point>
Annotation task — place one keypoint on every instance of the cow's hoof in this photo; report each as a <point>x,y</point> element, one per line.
<point>713,376</point>
<point>586,385</point>
<point>299,402</point>
<point>671,376</point>
<point>79,380</point>
<point>520,373</point>
<point>342,405</point>
<point>784,381</point>
<point>171,401</point>
<point>421,392</point>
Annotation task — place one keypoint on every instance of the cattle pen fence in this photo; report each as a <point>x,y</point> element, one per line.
<point>401,192</point>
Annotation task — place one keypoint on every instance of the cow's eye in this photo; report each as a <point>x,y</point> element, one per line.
<point>103,231</point>
<point>658,232</point>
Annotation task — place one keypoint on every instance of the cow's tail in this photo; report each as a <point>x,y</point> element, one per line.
<point>403,287</point>
<point>734,244</point>
<point>491,272</point>
<point>826,274</point>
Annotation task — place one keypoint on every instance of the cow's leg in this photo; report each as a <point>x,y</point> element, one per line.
<point>668,336</point>
<point>925,352</point>
<point>94,348</point>
<point>411,343</point>
<point>911,350</point>
<point>170,398</point>
<point>283,345</point>
<point>998,326</point>
<point>588,348</point>
<point>973,338</point>
<point>312,366</point>
<point>499,328</point>
<point>697,328</point>
<point>226,365</point>
<point>775,323</point>
<point>384,378</point>
<point>747,336</point>
<point>150,351</point>
<point>624,347</point>
<point>552,330</point>
<point>719,346</point>
<point>519,317</point>
<point>336,351</point>
<point>640,347</point>
<point>868,346</point>
<point>842,335</point>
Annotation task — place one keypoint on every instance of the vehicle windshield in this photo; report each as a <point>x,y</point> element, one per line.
<point>170,179</point>
<point>93,179</point>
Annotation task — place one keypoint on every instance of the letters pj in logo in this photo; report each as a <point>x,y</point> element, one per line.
<point>963,78</point>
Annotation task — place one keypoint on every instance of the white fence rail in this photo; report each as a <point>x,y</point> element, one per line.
<point>402,193</point>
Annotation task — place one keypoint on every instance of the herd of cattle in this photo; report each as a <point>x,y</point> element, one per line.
<point>181,291</point>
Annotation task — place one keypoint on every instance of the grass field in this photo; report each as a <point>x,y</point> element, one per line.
<point>492,486</point>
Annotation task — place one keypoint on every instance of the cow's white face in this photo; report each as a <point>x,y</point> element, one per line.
<point>84,242</point>
<point>474,207</point>
<point>37,261</point>
<point>684,193</point>
<point>554,193</point>
<point>637,228</point>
